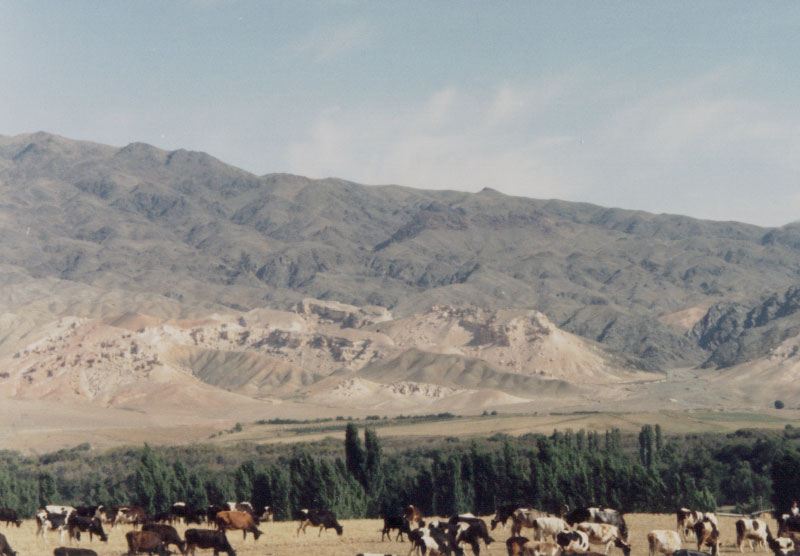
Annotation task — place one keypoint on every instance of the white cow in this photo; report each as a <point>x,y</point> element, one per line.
<point>661,541</point>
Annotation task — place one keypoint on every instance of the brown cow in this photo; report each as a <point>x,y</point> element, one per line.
<point>707,534</point>
<point>145,541</point>
<point>5,548</point>
<point>413,515</point>
<point>237,520</point>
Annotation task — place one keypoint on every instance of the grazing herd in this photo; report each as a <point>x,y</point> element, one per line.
<point>532,532</point>
<point>580,530</point>
<point>157,532</point>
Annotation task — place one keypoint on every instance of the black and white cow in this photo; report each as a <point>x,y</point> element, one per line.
<point>573,541</point>
<point>324,519</point>
<point>475,531</point>
<point>86,511</point>
<point>47,521</point>
<point>77,524</point>
<point>598,515</point>
<point>184,514</point>
<point>438,541</point>
<point>782,546</point>
<point>56,509</point>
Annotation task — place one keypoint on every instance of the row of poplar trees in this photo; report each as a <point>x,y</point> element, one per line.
<point>572,468</point>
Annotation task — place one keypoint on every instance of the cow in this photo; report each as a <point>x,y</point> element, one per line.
<point>212,511</point>
<point>69,551</point>
<point>707,533</point>
<point>605,534</point>
<point>183,514</point>
<point>782,546</point>
<point>475,531</point>
<point>573,541</point>
<point>476,527</point>
<point>504,512</point>
<point>413,515</point>
<point>134,515</point>
<point>235,520</point>
<point>398,522</point>
<point>46,521</point>
<point>145,541</point>
<point>542,526</point>
<point>433,540</point>
<point>208,538</point>
<point>598,515</point>
<point>663,542</point>
<point>514,545</point>
<point>86,511</point>
<point>522,546</point>
<point>241,507</point>
<point>10,516</point>
<point>686,519</point>
<point>751,530</point>
<point>55,509</point>
<point>324,519</point>
<point>106,515</point>
<point>268,515</point>
<point>167,533</point>
<point>5,548</point>
<point>788,523</point>
<point>91,525</point>
<point>162,517</point>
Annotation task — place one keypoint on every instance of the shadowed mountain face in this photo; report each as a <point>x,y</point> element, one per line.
<point>183,234</point>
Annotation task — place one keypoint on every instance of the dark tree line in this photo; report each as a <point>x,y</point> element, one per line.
<point>566,467</point>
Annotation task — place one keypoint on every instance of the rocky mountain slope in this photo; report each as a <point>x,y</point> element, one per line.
<point>324,352</point>
<point>531,296</point>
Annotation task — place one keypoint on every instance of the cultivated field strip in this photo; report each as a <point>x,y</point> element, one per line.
<point>360,535</point>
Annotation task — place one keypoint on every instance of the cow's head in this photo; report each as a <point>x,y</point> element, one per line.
<point>338,528</point>
<point>18,522</point>
<point>257,533</point>
<point>622,545</point>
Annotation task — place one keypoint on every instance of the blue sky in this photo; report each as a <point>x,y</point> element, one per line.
<point>679,107</point>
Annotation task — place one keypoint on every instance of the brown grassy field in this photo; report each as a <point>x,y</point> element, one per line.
<point>360,535</point>
<point>29,426</point>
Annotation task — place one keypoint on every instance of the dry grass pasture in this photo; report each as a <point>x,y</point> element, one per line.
<point>360,535</point>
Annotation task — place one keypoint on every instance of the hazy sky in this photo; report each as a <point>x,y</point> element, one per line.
<point>682,107</point>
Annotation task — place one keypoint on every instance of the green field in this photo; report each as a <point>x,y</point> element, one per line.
<point>672,422</point>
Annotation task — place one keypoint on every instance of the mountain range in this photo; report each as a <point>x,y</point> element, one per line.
<point>355,292</point>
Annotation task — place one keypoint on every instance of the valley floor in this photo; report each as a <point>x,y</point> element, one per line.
<point>38,427</point>
<point>360,535</point>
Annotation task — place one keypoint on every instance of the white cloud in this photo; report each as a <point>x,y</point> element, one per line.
<point>444,141</point>
<point>698,148</point>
